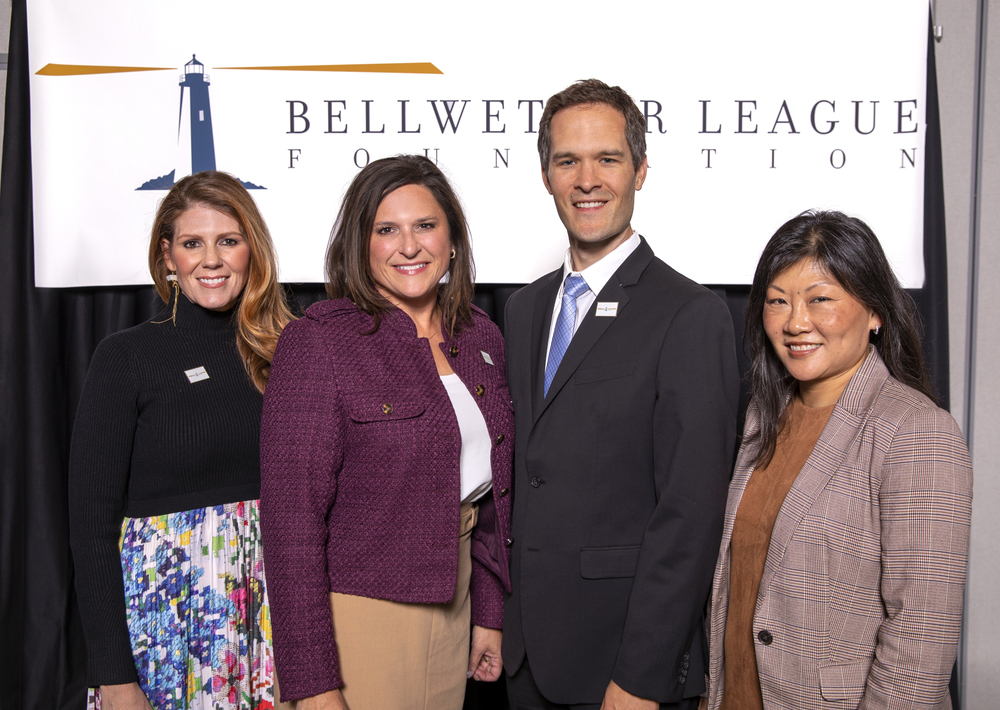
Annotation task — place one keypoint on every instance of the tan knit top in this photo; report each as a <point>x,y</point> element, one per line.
<point>762,499</point>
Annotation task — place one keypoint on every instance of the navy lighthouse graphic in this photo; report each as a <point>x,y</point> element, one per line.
<point>195,139</point>
<point>194,93</point>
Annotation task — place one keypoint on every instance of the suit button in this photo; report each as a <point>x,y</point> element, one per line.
<point>504,491</point>
<point>500,439</point>
<point>454,351</point>
<point>509,541</point>
<point>387,409</point>
<point>765,637</point>
<point>480,390</point>
<point>535,481</point>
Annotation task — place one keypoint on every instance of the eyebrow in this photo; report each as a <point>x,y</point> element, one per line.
<point>199,236</point>
<point>601,154</point>
<point>429,218</point>
<point>808,288</point>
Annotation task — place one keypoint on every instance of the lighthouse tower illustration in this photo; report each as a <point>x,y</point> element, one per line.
<point>195,138</point>
<point>195,142</point>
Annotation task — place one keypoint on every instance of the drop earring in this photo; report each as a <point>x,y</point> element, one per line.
<point>172,278</point>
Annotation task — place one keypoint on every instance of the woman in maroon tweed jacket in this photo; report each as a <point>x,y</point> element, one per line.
<point>367,458</point>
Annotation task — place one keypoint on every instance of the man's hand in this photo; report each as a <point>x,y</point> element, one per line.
<point>127,696</point>
<point>617,699</point>
<point>485,662</point>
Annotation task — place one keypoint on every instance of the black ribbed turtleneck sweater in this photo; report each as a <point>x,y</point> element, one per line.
<point>149,441</point>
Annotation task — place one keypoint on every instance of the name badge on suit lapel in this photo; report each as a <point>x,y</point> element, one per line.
<point>606,309</point>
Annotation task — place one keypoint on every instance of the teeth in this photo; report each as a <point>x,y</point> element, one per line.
<point>588,205</point>
<point>803,348</point>
<point>411,268</point>
<point>212,282</point>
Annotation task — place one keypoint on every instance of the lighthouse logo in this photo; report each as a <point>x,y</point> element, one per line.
<point>195,137</point>
<point>195,140</point>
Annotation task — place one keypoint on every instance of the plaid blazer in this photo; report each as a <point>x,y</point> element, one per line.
<point>860,604</point>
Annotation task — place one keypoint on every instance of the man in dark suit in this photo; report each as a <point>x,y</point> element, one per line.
<point>624,381</point>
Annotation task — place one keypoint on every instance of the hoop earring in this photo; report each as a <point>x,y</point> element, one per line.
<point>877,329</point>
<point>452,253</point>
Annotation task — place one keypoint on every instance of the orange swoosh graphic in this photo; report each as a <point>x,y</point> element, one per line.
<point>400,68</point>
<point>84,69</point>
<point>405,68</point>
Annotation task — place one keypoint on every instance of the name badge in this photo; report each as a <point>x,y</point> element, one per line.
<point>607,309</point>
<point>196,375</point>
<point>487,358</point>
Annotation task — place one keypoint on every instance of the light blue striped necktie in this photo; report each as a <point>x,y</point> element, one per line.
<point>574,287</point>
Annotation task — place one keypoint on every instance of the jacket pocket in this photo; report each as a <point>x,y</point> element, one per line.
<point>604,372</point>
<point>609,562</point>
<point>844,681</point>
<point>365,407</point>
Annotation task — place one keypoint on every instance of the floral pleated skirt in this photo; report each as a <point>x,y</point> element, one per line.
<point>197,609</point>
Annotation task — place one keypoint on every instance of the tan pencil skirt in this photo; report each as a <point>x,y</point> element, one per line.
<point>402,656</point>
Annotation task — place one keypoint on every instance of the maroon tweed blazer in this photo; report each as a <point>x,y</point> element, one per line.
<point>360,478</point>
<point>860,605</point>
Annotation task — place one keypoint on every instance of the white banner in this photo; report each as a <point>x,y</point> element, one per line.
<point>756,111</point>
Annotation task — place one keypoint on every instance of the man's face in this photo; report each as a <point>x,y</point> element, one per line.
<point>590,176</point>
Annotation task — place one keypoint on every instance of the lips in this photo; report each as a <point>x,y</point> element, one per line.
<point>589,205</point>
<point>802,348</point>
<point>410,268</point>
<point>214,281</point>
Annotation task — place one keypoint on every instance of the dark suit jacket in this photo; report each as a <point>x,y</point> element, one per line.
<point>620,484</point>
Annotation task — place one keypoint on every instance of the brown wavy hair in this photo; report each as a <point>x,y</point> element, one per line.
<point>348,266</point>
<point>263,309</point>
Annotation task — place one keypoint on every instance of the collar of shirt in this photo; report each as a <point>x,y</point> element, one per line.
<point>597,276</point>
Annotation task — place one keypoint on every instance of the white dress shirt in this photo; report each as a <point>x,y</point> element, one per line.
<point>597,276</point>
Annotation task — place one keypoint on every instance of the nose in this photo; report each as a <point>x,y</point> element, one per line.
<point>588,177</point>
<point>408,245</point>
<point>211,256</point>
<point>798,319</point>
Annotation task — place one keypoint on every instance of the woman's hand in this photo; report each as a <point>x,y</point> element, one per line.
<point>127,696</point>
<point>330,700</point>
<point>485,662</point>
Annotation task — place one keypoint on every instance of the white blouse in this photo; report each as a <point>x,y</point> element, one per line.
<point>476,472</point>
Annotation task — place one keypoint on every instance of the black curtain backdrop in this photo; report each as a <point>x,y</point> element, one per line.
<point>47,337</point>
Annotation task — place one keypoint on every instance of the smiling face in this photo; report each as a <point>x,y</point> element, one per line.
<point>591,179</point>
<point>211,257</point>
<point>410,248</point>
<point>818,330</point>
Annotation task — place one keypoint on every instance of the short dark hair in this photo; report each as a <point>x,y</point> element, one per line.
<point>594,91</point>
<point>348,265</point>
<point>846,249</point>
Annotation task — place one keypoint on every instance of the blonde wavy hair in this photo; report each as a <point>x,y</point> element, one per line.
<point>263,309</point>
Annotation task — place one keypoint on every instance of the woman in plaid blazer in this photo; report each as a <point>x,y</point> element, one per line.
<point>842,567</point>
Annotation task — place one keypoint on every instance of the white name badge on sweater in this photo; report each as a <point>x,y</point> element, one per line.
<point>196,375</point>
<point>607,309</point>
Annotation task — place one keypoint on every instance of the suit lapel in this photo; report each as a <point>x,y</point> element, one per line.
<point>592,327</point>
<point>838,438</point>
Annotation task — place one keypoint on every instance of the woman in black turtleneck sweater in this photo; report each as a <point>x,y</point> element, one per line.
<point>166,441</point>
